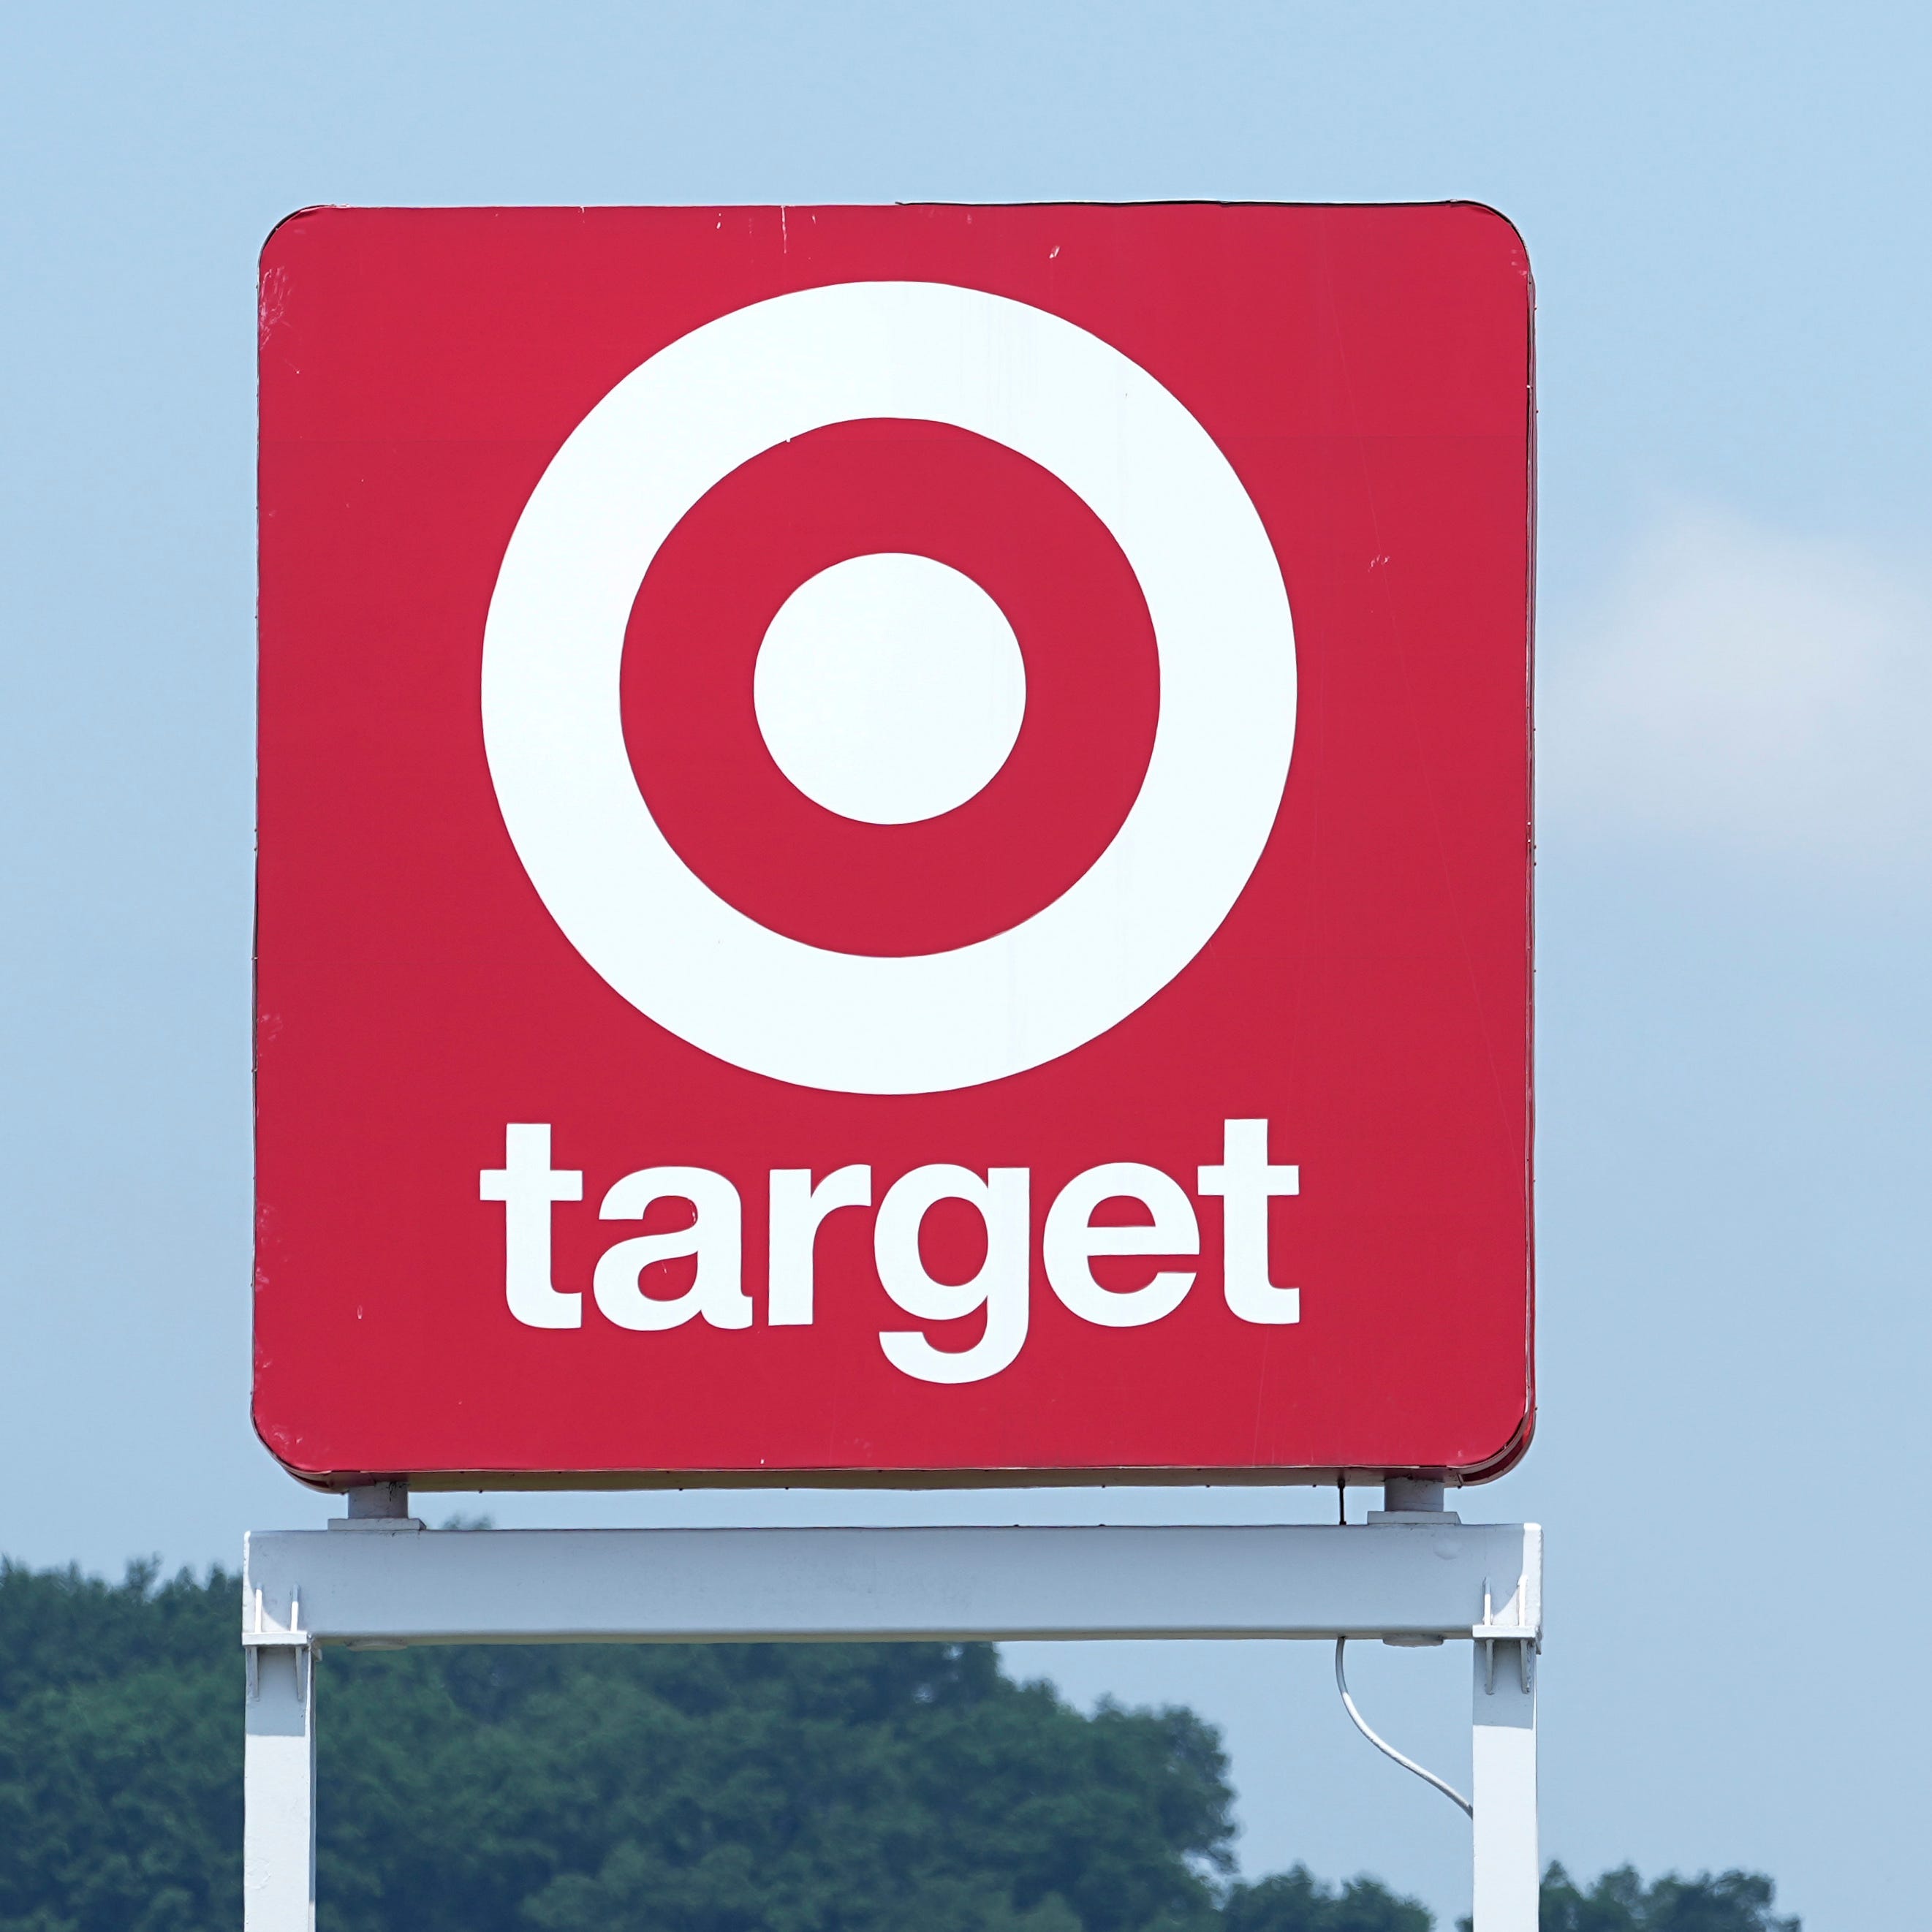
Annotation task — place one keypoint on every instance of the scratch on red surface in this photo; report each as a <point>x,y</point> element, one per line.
<point>273,304</point>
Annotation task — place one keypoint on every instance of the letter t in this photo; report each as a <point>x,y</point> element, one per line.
<point>1247,1183</point>
<point>527,1184</point>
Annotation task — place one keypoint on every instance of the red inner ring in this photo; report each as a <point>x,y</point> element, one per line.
<point>1093,688</point>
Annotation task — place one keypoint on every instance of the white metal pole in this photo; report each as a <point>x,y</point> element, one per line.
<point>1504,1794</point>
<point>278,1797</point>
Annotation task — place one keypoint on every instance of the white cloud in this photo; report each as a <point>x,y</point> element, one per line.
<point>1747,689</point>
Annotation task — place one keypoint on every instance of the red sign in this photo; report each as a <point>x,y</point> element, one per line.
<point>894,842</point>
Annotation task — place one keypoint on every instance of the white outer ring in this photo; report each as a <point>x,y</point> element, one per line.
<point>678,425</point>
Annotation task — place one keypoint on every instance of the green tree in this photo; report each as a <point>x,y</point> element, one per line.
<point>120,1771</point>
<point>1620,1901</point>
<point>758,1788</point>
<point>733,1788</point>
<point>1296,1901</point>
<point>800,1789</point>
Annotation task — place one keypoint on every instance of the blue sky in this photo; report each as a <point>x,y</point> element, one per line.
<point>1725,206</point>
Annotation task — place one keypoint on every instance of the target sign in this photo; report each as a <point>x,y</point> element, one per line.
<point>894,845</point>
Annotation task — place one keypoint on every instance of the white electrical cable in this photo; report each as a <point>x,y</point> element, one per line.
<point>1387,1749</point>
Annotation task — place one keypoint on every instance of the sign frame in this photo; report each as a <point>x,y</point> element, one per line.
<point>1438,1342</point>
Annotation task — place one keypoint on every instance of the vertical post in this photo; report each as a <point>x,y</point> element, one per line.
<point>278,1792</point>
<point>1508,1874</point>
<point>378,1502</point>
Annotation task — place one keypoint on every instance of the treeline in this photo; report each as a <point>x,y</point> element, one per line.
<point>753,1788</point>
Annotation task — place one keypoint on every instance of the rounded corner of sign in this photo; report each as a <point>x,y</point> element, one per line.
<point>1486,1469</point>
<point>1493,219</point>
<point>282,231</point>
<point>284,1444</point>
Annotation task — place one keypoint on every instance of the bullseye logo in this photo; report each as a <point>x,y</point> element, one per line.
<point>889,687</point>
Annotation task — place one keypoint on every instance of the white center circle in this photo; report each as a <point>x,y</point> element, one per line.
<point>889,687</point>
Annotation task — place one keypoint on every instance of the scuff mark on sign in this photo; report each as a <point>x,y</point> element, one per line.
<point>273,303</point>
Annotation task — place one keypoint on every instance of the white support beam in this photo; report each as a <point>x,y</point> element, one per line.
<point>385,1580</point>
<point>1507,1875</point>
<point>404,1585</point>
<point>278,1793</point>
